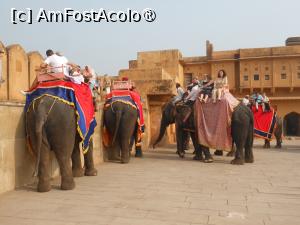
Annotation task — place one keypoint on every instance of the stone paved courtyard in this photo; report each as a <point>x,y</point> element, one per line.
<point>162,189</point>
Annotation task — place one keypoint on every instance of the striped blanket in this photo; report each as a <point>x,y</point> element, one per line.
<point>78,96</point>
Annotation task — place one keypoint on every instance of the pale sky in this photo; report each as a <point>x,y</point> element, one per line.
<point>183,25</point>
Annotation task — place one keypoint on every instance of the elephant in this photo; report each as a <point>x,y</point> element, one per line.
<point>277,134</point>
<point>120,119</point>
<point>242,131</point>
<point>51,126</point>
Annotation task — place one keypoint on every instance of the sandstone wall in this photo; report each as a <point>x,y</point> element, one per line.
<point>35,60</point>
<point>3,73</point>
<point>18,78</point>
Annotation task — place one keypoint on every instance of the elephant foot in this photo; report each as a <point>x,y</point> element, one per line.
<point>44,186</point>
<point>198,158</point>
<point>125,160</point>
<point>181,154</point>
<point>67,184</point>
<point>78,172</point>
<point>237,161</point>
<point>138,153</point>
<point>210,160</point>
<point>278,146</point>
<point>230,154</point>
<point>218,152</point>
<point>249,160</point>
<point>90,172</point>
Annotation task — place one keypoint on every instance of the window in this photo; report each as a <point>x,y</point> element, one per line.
<point>246,78</point>
<point>283,76</point>
<point>298,75</point>
<point>267,77</point>
<point>267,68</point>
<point>246,69</point>
<point>256,68</point>
<point>283,67</point>
<point>256,76</point>
<point>188,78</point>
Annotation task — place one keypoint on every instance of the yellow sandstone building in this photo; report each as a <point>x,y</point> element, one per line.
<point>275,71</point>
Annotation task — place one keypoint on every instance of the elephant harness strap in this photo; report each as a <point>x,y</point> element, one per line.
<point>53,103</point>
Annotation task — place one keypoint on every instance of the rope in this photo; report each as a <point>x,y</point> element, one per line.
<point>51,106</point>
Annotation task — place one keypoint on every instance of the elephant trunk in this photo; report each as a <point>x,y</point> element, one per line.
<point>167,119</point>
<point>118,120</point>
<point>162,130</point>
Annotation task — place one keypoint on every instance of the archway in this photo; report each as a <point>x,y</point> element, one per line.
<point>291,123</point>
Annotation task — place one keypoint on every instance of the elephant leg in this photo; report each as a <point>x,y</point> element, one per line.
<point>198,150</point>
<point>138,144</point>
<point>63,159</point>
<point>267,144</point>
<point>239,154</point>
<point>125,153</point>
<point>180,141</point>
<point>232,152</point>
<point>44,173</point>
<point>248,148</point>
<point>77,169</point>
<point>278,142</point>
<point>89,161</point>
<point>127,126</point>
<point>208,158</point>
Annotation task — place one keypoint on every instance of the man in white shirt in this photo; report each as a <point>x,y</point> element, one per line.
<point>246,101</point>
<point>191,98</point>
<point>57,63</point>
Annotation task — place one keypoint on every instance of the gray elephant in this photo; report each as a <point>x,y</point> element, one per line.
<point>242,131</point>
<point>120,119</point>
<point>51,126</point>
<point>277,134</point>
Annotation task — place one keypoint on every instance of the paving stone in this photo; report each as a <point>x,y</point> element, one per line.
<point>161,189</point>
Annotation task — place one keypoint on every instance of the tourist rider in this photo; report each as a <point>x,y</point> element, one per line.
<point>180,93</point>
<point>246,100</point>
<point>207,87</point>
<point>192,96</point>
<point>221,83</point>
<point>257,99</point>
<point>266,103</point>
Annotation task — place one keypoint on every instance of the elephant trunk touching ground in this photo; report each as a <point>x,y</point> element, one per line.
<point>51,126</point>
<point>168,117</point>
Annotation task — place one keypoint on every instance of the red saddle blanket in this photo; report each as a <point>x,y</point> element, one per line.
<point>77,95</point>
<point>213,124</point>
<point>264,122</point>
<point>129,97</point>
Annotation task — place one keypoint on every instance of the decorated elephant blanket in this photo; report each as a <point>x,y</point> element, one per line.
<point>131,98</point>
<point>264,122</point>
<point>78,96</point>
<point>213,123</point>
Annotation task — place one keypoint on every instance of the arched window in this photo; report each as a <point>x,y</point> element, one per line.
<point>291,124</point>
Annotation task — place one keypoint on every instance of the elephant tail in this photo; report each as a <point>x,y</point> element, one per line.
<point>118,120</point>
<point>40,121</point>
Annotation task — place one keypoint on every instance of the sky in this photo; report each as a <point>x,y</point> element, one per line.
<point>183,25</point>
